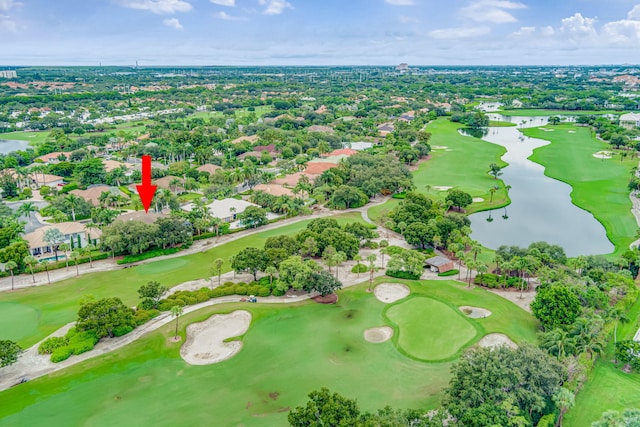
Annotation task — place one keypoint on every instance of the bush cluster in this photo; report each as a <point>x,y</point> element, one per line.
<point>74,342</point>
<point>184,298</point>
<point>448,273</point>
<point>150,254</point>
<point>493,281</point>
<point>360,268</point>
<point>402,274</point>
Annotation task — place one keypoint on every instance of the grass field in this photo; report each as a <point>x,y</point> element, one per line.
<point>287,352</point>
<point>57,304</point>
<point>533,112</point>
<point>501,124</point>
<point>430,341</point>
<point>608,387</point>
<point>599,186</point>
<point>465,167</point>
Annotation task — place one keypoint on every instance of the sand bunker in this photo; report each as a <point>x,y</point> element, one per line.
<point>548,130</point>
<point>205,340</point>
<point>603,155</point>
<point>391,292</point>
<point>475,312</point>
<point>571,131</point>
<point>378,335</point>
<point>478,199</point>
<point>496,340</point>
<point>441,187</point>
<point>439,147</point>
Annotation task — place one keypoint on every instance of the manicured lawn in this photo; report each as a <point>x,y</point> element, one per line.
<point>378,212</point>
<point>465,167</point>
<point>430,340</point>
<point>58,304</point>
<point>599,186</point>
<point>33,137</point>
<point>287,352</point>
<point>539,113</point>
<point>608,387</point>
<point>501,124</point>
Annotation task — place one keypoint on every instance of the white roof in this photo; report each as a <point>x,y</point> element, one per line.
<point>630,117</point>
<point>358,146</point>
<point>222,208</point>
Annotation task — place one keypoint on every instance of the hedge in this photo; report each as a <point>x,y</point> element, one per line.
<point>128,259</point>
<point>494,281</point>
<point>360,268</point>
<point>402,275</point>
<point>448,273</point>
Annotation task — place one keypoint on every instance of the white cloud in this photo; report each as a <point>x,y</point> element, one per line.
<point>275,7</point>
<point>5,5</point>
<point>525,32</point>
<point>173,23</point>
<point>408,20</point>
<point>229,3</point>
<point>401,2</point>
<point>578,26</point>
<point>160,7</point>
<point>547,31</point>
<point>491,11</point>
<point>225,16</point>
<point>7,24</point>
<point>625,30</point>
<point>459,33</point>
<point>634,13</point>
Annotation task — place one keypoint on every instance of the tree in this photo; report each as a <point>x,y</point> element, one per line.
<point>65,247</point>
<point>87,250</point>
<point>27,208</point>
<point>219,262</point>
<point>90,171</point>
<point>253,217</point>
<point>176,311</point>
<point>105,317</point>
<point>558,342</point>
<point>323,282</point>
<point>459,199</point>
<point>173,231</point>
<point>295,273</point>
<point>74,256</point>
<point>338,259</point>
<point>152,292</point>
<point>8,186</point>
<point>357,259</point>
<point>564,400</point>
<point>72,201</point>
<point>54,238</point>
<point>271,271</point>
<point>628,418</point>
<point>418,234</point>
<point>372,268</point>
<point>495,170</point>
<point>11,265</point>
<point>556,306</point>
<point>30,261</point>
<point>9,352</point>
<point>346,197</point>
<point>250,260</point>
<point>484,379</point>
<point>325,409</point>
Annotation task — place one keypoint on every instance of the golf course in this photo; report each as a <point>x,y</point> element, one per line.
<point>288,351</point>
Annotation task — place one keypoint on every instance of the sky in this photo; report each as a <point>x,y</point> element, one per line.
<point>319,32</point>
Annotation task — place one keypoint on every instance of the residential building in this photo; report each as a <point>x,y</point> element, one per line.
<point>93,193</point>
<point>42,179</point>
<point>227,209</point>
<point>76,235</point>
<point>8,74</point>
<point>630,120</point>
<point>208,167</point>
<point>54,158</point>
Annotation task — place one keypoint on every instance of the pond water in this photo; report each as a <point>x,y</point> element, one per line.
<point>541,208</point>
<point>9,145</point>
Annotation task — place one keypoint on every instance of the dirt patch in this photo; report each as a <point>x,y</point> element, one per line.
<point>442,187</point>
<point>391,292</point>
<point>496,340</point>
<point>475,312</point>
<point>603,155</point>
<point>378,335</point>
<point>274,395</point>
<point>175,339</point>
<point>329,299</point>
<point>205,340</point>
<point>478,199</point>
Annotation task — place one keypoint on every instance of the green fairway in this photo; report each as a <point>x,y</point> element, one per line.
<point>533,112</point>
<point>378,212</point>
<point>33,137</point>
<point>599,186</point>
<point>18,320</point>
<point>440,337</point>
<point>464,167</point>
<point>501,124</point>
<point>58,304</point>
<point>287,352</point>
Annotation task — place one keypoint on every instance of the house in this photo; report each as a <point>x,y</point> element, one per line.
<point>76,235</point>
<point>274,189</point>
<point>385,129</point>
<point>208,167</point>
<point>256,154</point>
<point>291,180</point>
<point>321,129</point>
<point>168,183</point>
<point>316,168</point>
<point>110,165</point>
<point>439,264</point>
<point>252,139</point>
<point>142,216</point>
<point>271,148</point>
<point>630,120</point>
<point>42,179</point>
<point>403,67</point>
<point>53,158</point>
<point>359,146</point>
<point>226,210</point>
<point>93,193</point>
<point>342,152</point>
<point>407,117</point>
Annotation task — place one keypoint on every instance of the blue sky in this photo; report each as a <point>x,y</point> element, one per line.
<point>319,32</point>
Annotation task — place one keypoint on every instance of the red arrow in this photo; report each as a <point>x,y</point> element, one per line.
<point>146,190</point>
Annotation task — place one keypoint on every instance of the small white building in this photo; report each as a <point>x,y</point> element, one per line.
<point>630,120</point>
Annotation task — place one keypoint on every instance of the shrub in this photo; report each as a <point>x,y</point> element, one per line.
<point>241,289</point>
<point>402,275</point>
<point>60,354</point>
<point>263,292</point>
<point>82,346</point>
<point>122,330</point>
<point>67,188</point>
<point>146,304</point>
<point>49,345</point>
<point>548,420</point>
<point>394,250</point>
<point>150,254</point>
<point>359,268</point>
<point>278,292</point>
<point>401,195</point>
<point>448,273</point>
<point>202,296</point>
<point>369,244</point>
<point>143,316</point>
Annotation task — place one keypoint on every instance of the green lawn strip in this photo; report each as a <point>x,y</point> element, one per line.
<point>58,304</point>
<point>608,387</point>
<point>289,350</point>
<point>378,212</point>
<point>599,186</point>
<point>501,124</point>
<point>533,112</point>
<point>32,137</point>
<point>465,167</point>
<point>422,338</point>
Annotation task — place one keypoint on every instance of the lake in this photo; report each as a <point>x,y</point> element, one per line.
<point>9,145</point>
<point>541,207</point>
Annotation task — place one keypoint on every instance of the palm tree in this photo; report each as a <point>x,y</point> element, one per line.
<point>75,255</point>
<point>564,400</point>
<point>10,265</point>
<point>27,208</point>
<point>218,263</point>
<point>384,244</point>
<point>55,238</point>
<point>357,258</point>
<point>618,315</point>
<point>45,264</point>
<point>65,248</point>
<point>506,188</point>
<point>87,250</point>
<point>176,311</point>
<point>558,343</point>
<point>476,248</point>
<point>481,268</point>
<point>338,259</point>
<point>30,261</point>
<point>372,260</point>
<point>492,191</point>
<point>271,271</point>
<point>72,200</point>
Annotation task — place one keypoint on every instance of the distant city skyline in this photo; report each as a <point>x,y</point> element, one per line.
<point>327,32</point>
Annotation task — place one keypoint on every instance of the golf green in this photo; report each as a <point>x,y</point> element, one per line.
<point>430,330</point>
